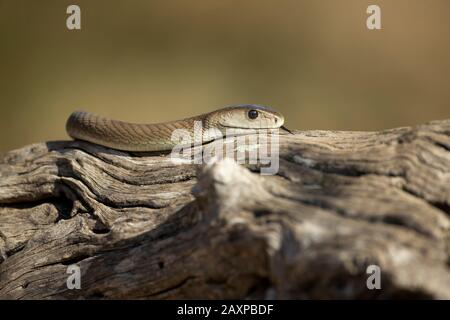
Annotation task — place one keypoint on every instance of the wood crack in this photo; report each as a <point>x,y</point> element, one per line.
<point>141,226</point>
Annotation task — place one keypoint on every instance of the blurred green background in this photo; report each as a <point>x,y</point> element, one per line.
<point>150,61</point>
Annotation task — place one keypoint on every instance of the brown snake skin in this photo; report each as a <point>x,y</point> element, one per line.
<point>157,137</point>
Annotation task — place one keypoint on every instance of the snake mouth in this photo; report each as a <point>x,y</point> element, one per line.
<point>251,129</point>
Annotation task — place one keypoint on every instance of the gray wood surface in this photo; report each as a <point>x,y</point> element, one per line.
<point>141,226</point>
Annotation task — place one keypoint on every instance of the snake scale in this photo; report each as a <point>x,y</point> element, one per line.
<point>234,120</point>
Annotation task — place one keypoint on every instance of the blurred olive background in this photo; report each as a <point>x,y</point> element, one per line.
<point>151,61</point>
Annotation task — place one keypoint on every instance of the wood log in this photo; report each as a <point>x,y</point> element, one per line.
<point>141,226</point>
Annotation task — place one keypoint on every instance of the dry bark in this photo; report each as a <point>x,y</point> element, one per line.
<point>141,226</point>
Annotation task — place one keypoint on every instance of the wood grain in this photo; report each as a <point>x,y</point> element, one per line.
<point>141,226</point>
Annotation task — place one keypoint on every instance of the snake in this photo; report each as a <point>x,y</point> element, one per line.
<point>125,136</point>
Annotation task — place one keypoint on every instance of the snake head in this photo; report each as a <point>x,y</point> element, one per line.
<point>244,117</point>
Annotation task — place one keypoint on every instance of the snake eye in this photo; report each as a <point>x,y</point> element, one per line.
<point>253,114</point>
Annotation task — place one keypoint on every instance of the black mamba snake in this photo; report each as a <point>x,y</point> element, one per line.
<point>234,120</point>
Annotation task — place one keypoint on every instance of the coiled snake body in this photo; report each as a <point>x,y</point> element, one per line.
<point>235,120</point>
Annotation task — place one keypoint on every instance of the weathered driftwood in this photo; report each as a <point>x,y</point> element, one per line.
<point>140,226</point>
